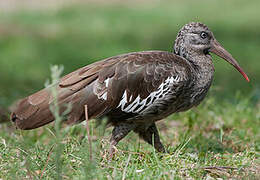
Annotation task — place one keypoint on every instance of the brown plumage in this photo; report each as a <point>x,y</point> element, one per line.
<point>133,90</point>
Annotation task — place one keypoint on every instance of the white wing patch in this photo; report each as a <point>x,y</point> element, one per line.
<point>123,101</point>
<point>107,81</point>
<point>138,105</point>
<point>104,95</point>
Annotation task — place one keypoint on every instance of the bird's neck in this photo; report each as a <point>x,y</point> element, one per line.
<point>202,64</point>
<point>203,67</point>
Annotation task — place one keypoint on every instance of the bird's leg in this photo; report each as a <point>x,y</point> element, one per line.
<point>151,136</point>
<point>118,133</point>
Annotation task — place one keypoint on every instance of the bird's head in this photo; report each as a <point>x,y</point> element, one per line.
<point>197,38</point>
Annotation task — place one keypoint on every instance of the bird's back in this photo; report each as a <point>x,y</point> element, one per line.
<point>129,86</point>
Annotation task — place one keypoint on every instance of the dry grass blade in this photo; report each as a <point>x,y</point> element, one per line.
<point>48,158</point>
<point>220,170</point>
<point>88,132</point>
<point>220,167</point>
<point>125,169</point>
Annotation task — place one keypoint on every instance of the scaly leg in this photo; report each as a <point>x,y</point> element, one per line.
<point>151,136</point>
<point>118,133</point>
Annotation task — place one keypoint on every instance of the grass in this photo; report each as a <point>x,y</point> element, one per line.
<point>210,141</point>
<point>218,139</point>
<point>78,35</point>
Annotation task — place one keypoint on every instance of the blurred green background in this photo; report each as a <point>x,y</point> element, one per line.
<point>35,36</point>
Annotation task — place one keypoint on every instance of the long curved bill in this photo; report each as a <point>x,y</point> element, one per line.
<point>217,49</point>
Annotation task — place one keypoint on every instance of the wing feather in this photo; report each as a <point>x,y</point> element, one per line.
<point>102,85</point>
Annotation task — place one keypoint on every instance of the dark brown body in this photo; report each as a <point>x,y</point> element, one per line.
<point>137,74</point>
<point>133,90</point>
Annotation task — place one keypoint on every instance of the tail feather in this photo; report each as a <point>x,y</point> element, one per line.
<point>34,111</point>
<point>29,115</point>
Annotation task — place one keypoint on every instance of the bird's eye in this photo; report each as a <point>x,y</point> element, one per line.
<point>203,35</point>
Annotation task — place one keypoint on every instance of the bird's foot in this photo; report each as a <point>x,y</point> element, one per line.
<point>160,148</point>
<point>112,150</point>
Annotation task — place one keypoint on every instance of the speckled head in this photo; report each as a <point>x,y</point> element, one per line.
<point>195,39</point>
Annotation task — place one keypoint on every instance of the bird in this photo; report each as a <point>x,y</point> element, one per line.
<point>134,90</point>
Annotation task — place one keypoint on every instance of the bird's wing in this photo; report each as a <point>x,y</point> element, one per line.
<point>102,86</point>
<point>137,80</point>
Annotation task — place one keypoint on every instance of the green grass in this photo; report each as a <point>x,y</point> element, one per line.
<point>222,132</point>
<point>30,41</point>
<point>224,135</point>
